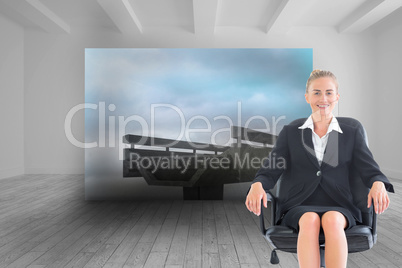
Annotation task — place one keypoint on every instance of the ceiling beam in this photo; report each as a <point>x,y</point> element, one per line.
<point>39,14</point>
<point>275,18</point>
<point>123,15</point>
<point>368,14</point>
<point>50,22</point>
<point>283,13</point>
<point>205,12</point>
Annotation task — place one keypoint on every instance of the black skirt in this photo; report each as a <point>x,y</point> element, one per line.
<point>319,202</point>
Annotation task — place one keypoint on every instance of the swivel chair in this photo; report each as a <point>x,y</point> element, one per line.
<point>360,237</point>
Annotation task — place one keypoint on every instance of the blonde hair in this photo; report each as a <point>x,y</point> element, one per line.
<point>317,73</point>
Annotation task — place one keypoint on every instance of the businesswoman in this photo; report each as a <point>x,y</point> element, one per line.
<point>319,152</point>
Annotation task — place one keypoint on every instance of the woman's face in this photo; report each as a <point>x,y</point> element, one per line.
<point>322,96</point>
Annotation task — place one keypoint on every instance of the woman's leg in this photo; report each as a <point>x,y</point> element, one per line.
<point>308,248</point>
<point>336,246</point>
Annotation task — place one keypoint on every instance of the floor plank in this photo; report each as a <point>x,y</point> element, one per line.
<point>46,222</point>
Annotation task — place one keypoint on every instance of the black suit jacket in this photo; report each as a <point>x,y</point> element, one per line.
<point>301,173</point>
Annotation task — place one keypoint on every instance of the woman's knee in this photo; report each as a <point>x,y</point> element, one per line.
<point>310,221</point>
<point>333,221</point>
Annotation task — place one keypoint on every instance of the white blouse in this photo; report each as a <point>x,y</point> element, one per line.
<point>321,143</point>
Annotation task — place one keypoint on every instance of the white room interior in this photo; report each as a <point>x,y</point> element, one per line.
<point>42,61</point>
<point>46,221</point>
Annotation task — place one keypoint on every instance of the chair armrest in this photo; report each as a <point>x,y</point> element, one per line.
<point>374,227</point>
<point>271,199</point>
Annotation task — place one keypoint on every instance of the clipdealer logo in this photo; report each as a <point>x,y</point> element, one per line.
<point>119,123</point>
<point>175,162</point>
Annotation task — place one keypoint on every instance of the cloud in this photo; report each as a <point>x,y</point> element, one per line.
<point>199,82</point>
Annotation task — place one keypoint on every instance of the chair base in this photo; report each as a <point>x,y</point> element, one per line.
<point>274,257</point>
<point>322,256</point>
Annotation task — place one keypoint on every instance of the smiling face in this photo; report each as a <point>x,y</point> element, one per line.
<point>322,95</point>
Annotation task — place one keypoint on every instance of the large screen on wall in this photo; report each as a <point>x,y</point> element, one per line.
<point>186,123</point>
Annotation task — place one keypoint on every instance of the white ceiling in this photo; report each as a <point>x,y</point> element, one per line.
<point>197,16</point>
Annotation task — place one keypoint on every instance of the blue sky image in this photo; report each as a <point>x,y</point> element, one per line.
<point>197,85</point>
<point>168,92</point>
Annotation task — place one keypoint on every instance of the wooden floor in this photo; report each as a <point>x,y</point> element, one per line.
<point>45,222</point>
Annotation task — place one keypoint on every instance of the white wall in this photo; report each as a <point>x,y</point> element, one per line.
<point>386,108</point>
<point>11,99</point>
<point>54,79</point>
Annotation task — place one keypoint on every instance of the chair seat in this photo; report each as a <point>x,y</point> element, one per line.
<point>284,238</point>
<point>360,238</point>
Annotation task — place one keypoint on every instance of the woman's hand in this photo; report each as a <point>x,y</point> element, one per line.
<point>378,194</point>
<point>253,200</point>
